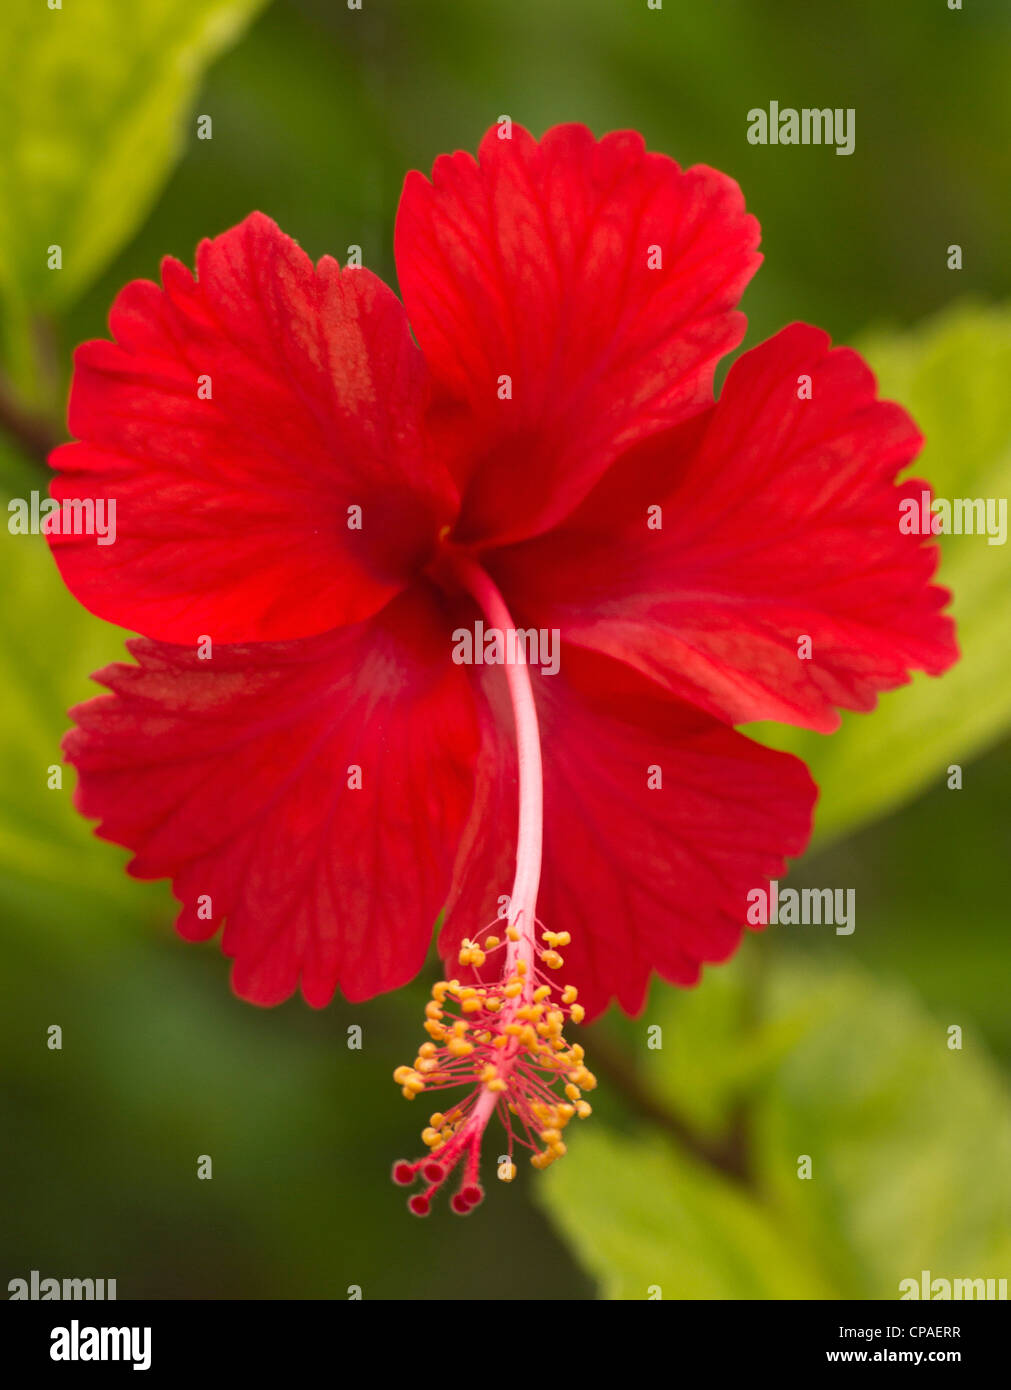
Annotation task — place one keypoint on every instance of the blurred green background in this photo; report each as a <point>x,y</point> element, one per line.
<point>809,1043</point>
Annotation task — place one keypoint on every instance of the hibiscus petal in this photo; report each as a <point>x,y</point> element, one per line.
<point>643,879</point>
<point>232,513</point>
<point>234,777</point>
<point>780,521</point>
<point>533,264</point>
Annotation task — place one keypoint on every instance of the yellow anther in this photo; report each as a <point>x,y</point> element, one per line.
<point>459,1024</point>
<point>506,1172</point>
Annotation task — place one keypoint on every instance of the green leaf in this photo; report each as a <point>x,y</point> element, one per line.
<point>910,1139</point>
<point>51,868</point>
<point>953,377</point>
<point>909,1142</point>
<point>94,109</point>
<point>641,1217</point>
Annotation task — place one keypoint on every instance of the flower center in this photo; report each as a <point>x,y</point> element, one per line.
<point>501,1036</point>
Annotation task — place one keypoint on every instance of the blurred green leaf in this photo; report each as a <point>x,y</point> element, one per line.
<point>910,1146</point>
<point>952,375</point>
<point>910,1139</point>
<point>641,1216</point>
<point>17,478</point>
<point>932,883</point>
<point>50,866</point>
<point>93,108</point>
<point>716,1046</point>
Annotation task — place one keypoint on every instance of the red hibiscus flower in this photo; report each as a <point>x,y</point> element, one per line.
<point>315,512</point>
